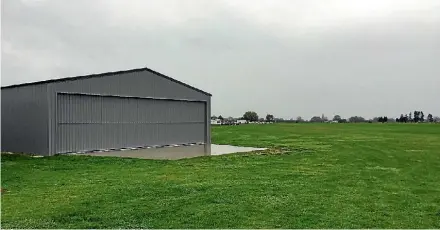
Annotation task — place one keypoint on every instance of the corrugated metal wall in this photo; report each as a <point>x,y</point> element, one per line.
<point>24,115</point>
<point>89,122</point>
<point>142,84</point>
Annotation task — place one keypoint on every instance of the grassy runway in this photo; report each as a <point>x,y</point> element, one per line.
<point>314,176</point>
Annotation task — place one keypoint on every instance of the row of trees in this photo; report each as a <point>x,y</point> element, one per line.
<point>381,119</point>
<point>418,117</point>
<point>336,118</point>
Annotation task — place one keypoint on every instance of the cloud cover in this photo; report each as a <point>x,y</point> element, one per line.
<point>286,57</point>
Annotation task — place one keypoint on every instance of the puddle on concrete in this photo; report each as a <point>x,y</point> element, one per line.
<point>228,149</point>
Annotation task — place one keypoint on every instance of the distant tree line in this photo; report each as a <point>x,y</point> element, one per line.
<point>416,116</point>
<point>381,119</point>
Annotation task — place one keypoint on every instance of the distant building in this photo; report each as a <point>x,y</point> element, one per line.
<point>216,122</point>
<point>242,122</point>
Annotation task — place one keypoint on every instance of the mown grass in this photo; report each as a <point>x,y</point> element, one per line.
<point>315,176</point>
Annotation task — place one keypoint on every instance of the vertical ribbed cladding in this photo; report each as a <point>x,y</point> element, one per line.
<point>117,122</point>
<point>110,121</point>
<point>24,119</point>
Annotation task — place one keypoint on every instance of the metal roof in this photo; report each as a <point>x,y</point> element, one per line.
<point>106,74</point>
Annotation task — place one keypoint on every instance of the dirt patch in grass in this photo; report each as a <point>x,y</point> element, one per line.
<point>383,169</point>
<point>272,151</point>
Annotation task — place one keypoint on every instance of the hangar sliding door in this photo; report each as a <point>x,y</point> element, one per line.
<point>89,122</point>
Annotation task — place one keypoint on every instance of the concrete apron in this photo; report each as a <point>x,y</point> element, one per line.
<point>174,153</point>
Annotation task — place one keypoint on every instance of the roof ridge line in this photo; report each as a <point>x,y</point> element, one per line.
<point>107,74</point>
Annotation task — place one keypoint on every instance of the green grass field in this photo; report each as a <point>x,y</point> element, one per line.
<point>315,176</point>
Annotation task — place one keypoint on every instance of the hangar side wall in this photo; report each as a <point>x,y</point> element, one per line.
<point>24,119</point>
<point>142,84</point>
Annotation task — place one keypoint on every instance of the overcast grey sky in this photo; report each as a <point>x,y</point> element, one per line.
<point>285,57</point>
